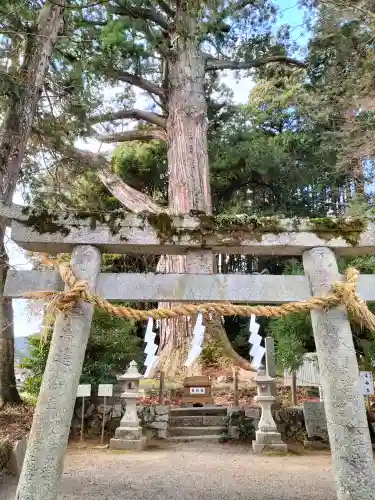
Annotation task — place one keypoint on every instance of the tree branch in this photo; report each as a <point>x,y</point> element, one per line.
<point>134,114</point>
<point>166,7</point>
<point>220,64</point>
<point>143,13</point>
<point>139,82</point>
<point>133,200</point>
<point>235,7</point>
<point>133,135</point>
<point>90,160</point>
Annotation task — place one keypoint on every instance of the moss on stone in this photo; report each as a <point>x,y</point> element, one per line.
<point>350,229</point>
<point>44,221</point>
<point>228,228</point>
<point>163,225</point>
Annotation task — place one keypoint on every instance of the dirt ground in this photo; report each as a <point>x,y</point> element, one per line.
<point>191,471</point>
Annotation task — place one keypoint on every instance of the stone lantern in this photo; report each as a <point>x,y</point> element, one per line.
<point>267,436</point>
<point>129,435</point>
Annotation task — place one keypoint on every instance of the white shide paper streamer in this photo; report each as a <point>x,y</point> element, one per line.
<point>257,351</point>
<point>151,360</point>
<point>197,341</point>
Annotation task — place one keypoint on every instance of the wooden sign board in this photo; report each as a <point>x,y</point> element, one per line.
<point>197,390</point>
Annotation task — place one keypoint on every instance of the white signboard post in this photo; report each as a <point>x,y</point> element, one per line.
<point>104,390</point>
<point>84,391</point>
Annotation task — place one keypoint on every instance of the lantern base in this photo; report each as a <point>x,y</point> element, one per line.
<point>260,448</point>
<point>268,441</point>
<point>128,444</point>
<point>132,433</point>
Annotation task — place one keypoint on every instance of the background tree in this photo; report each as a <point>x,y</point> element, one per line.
<point>28,33</point>
<point>275,155</point>
<point>166,49</point>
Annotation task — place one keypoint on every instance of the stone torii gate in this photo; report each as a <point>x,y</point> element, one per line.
<point>318,242</point>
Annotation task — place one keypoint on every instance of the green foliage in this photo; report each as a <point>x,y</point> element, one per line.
<point>144,166</point>
<point>211,353</point>
<point>36,363</point>
<point>113,343</point>
<point>292,333</point>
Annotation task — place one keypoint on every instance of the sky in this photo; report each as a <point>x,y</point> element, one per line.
<point>26,322</point>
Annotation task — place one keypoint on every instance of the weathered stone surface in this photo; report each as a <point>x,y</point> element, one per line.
<point>17,456</point>
<point>233,432</point>
<point>42,468</point>
<point>195,431</point>
<point>132,433</point>
<point>290,423</point>
<point>162,433</point>
<point>184,287</point>
<point>214,420</point>
<point>135,232</point>
<point>162,418</point>
<point>252,413</point>
<point>238,426</point>
<point>118,410</point>
<point>128,444</point>
<point>268,437</point>
<point>159,424</point>
<point>261,448</point>
<point>161,409</point>
<point>352,455</point>
<point>267,432</point>
<point>316,445</point>
<point>315,420</point>
<point>270,356</point>
<point>198,411</point>
<point>186,421</point>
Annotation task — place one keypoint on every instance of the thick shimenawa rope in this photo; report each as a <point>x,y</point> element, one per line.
<point>343,293</point>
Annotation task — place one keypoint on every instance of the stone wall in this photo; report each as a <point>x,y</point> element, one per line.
<point>154,419</point>
<point>242,423</point>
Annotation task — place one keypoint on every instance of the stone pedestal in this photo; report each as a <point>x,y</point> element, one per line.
<point>129,435</point>
<point>17,457</point>
<point>266,437</point>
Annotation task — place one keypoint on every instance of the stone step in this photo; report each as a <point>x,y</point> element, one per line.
<point>199,411</point>
<point>212,437</point>
<point>198,421</point>
<point>195,431</point>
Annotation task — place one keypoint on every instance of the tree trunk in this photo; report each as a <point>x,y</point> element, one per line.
<point>188,174</point>
<point>8,389</point>
<point>188,177</point>
<point>14,133</point>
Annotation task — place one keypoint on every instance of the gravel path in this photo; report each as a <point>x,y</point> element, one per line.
<point>191,471</point>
